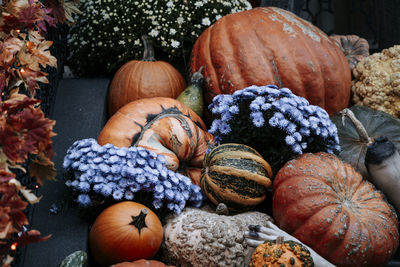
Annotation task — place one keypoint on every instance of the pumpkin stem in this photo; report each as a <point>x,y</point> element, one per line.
<point>364,138</point>
<point>197,78</point>
<point>148,53</point>
<point>279,240</point>
<point>139,221</point>
<point>222,209</point>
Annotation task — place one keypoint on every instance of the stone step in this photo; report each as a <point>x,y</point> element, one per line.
<point>80,112</point>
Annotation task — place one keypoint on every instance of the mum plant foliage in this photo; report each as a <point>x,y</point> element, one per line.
<point>275,122</point>
<point>25,132</point>
<point>107,33</point>
<point>98,173</point>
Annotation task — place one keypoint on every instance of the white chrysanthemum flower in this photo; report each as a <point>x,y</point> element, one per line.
<point>172,31</point>
<point>121,42</point>
<point>175,44</point>
<point>217,17</point>
<point>206,22</point>
<point>116,28</point>
<point>180,20</point>
<point>170,4</point>
<point>154,33</point>
<point>198,4</point>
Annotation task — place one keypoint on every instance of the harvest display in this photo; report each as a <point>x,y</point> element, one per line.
<point>262,160</point>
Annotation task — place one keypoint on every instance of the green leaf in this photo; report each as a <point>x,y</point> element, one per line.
<point>76,259</point>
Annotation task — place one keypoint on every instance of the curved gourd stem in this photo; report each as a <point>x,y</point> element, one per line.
<point>174,114</point>
<point>148,52</point>
<point>140,221</point>
<point>364,138</point>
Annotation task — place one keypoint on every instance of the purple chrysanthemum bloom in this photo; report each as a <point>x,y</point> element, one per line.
<point>118,194</point>
<point>124,171</point>
<point>84,200</point>
<point>287,116</point>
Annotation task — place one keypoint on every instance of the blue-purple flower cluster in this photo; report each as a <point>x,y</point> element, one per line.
<point>273,117</point>
<point>119,173</point>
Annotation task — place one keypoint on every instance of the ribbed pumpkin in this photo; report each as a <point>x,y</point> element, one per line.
<point>281,253</point>
<point>268,45</point>
<point>353,47</point>
<point>144,78</point>
<point>328,206</point>
<point>165,126</point>
<point>236,175</point>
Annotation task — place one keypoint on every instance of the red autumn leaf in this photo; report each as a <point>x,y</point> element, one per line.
<point>17,102</point>
<point>57,10</point>
<point>11,144</point>
<point>42,168</point>
<point>30,15</point>
<point>12,207</point>
<point>10,22</point>
<point>39,131</point>
<point>32,236</point>
<point>6,176</point>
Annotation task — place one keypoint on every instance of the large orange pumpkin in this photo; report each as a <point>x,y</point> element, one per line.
<point>144,78</point>
<point>165,126</point>
<point>268,45</point>
<point>327,205</point>
<point>126,231</point>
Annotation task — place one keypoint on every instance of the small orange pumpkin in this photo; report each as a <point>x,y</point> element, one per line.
<point>144,78</point>
<point>126,231</point>
<point>165,126</point>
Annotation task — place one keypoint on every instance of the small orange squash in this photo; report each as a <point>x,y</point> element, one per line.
<point>126,231</point>
<point>144,78</point>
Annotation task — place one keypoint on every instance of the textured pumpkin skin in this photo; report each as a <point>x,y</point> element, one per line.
<point>179,134</point>
<point>327,205</point>
<point>201,237</point>
<point>268,45</point>
<point>112,239</point>
<point>236,175</point>
<point>353,47</point>
<point>288,253</point>
<point>138,79</point>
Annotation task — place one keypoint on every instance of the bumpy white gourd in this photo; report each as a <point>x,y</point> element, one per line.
<point>201,237</point>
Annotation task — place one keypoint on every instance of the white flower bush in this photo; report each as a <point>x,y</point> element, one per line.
<point>107,33</point>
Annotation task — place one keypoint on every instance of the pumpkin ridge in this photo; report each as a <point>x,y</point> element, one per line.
<point>213,74</point>
<point>268,52</point>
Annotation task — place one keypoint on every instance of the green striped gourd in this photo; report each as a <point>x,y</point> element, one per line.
<point>236,175</point>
